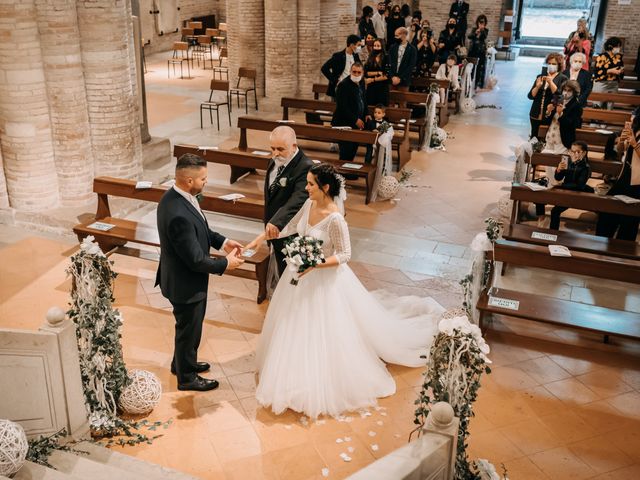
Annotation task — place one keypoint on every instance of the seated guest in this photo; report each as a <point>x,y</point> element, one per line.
<point>351,108</point>
<point>609,68</point>
<point>427,49</point>
<point>375,124</point>
<point>624,227</point>
<point>575,72</point>
<point>402,61</point>
<point>449,42</point>
<point>376,76</point>
<point>339,65</point>
<point>543,91</point>
<point>574,175</point>
<point>565,115</point>
<point>449,71</point>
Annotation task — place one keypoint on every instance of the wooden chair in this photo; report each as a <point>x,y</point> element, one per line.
<point>223,55</point>
<point>221,39</point>
<point>250,74</point>
<point>180,47</point>
<point>189,36</point>
<point>203,48</point>
<point>217,86</point>
<point>195,26</point>
<point>214,33</point>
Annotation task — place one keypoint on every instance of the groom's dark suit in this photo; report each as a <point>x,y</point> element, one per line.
<point>287,198</point>
<point>183,274</point>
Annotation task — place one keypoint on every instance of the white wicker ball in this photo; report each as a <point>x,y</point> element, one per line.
<point>467,105</point>
<point>143,393</point>
<point>455,312</point>
<point>492,81</point>
<point>441,133</point>
<point>388,187</point>
<point>13,447</point>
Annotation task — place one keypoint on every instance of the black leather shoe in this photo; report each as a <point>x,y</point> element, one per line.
<point>200,367</point>
<point>199,384</point>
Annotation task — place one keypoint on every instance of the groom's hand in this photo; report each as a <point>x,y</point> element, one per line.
<point>231,245</point>
<point>234,260</point>
<point>271,231</point>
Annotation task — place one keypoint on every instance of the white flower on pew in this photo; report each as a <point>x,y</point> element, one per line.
<point>461,324</point>
<point>487,470</point>
<point>283,182</point>
<point>481,243</point>
<point>90,247</point>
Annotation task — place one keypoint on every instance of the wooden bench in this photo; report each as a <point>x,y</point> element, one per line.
<point>615,118</point>
<point>320,134</point>
<point>421,84</point>
<point>399,118</point>
<point>617,99</point>
<point>630,84</point>
<point>604,167</point>
<point>126,231</point>
<point>418,99</point>
<point>319,89</point>
<point>596,141</point>
<point>241,163</point>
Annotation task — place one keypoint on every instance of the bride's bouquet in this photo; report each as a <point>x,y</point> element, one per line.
<point>303,253</point>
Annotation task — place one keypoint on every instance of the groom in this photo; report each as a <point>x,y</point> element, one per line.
<point>284,187</point>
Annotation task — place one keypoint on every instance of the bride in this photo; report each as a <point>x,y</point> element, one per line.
<point>322,339</point>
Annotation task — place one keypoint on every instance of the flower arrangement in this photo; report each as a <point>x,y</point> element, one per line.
<point>303,253</point>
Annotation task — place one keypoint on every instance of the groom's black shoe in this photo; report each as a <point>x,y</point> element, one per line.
<point>199,384</point>
<point>200,367</point>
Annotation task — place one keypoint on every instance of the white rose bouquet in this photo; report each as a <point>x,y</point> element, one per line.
<point>303,253</point>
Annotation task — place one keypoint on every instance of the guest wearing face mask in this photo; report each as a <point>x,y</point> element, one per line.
<point>609,68</point>
<point>394,22</point>
<point>365,25</point>
<point>427,50</point>
<point>579,74</point>
<point>351,108</point>
<point>574,175</point>
<point>449,42</point>
<point>581,32</point>
<point>543,90</point>
<point>338,66</point>
<point>414,29</point>
<point>459,10</point>
<point>578,44</point>
<point>402,60</point>
<point>478,48</point>
<point>376,76</point>
<point>367,49</point>
<point>565,116</point>
<point>379,20</point>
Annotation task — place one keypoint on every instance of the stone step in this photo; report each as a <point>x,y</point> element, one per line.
<point>34,471</point>
<point>537,50</point>
<point>83,467</point>
<point>131,464</point>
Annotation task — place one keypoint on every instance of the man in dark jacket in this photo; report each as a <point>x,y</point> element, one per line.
<point>351,108</point>
<point>459,10</point>
<point>402,60</point>
<point>284,187</point>
<point>185,266</point>
<point>339,65</point>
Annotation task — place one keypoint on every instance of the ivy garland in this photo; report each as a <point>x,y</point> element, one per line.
<point>41,448</point>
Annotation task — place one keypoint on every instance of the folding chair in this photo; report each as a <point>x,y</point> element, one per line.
<point>216,86</point>
<point>250,74</point>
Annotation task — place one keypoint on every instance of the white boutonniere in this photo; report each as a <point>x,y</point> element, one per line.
<point>283,182</point>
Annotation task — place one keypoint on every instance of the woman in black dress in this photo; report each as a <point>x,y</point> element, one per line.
<point>427,50</point>
<point>376,76</point>
<point>449,42</point>
<point>394,22</point>
<point>478,48</point>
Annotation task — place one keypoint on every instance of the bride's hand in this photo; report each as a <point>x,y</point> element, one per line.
<point>302,274</point>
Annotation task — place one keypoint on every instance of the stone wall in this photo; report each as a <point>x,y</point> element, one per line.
<point>68,104</point>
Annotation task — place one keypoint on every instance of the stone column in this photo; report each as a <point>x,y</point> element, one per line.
<point>25,128</point>
<point>330,41</point>
<point>111,96</point>
<point>4,196</point>
<point>137,38</point>
<point>346,10</point>
<point>281,48</point>
<point>246,42</point>
<point>60,41</point>
<point>309,58</point>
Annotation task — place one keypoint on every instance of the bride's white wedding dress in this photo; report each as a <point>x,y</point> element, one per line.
<point>322,340</point>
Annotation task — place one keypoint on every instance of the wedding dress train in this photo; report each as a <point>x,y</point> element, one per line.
<point>323,340</point>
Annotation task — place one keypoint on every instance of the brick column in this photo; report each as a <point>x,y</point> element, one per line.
<point>346,10</point>
<point>60,40</point>
<point>25,128</point>
<point>246,42</point>
<point>281,48</point>
<point>4,196</point>
<point>309,45</point>
<point>111,97</point>
<point>330,41</point>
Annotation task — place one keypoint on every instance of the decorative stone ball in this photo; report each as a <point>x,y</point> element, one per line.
<point>468,105</point>
<point>55,316</point>
<point>143,393</point>
<point>441,134</point>
<point>388,187</point>
<point>13,447</point>
<point>455,312</point>
<point>442,414</point>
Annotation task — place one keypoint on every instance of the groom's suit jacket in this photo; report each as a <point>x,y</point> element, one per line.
<point>281,205</point>
<point>185,239</point>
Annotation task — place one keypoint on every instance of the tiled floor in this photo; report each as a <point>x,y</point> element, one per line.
<point>558,405</point>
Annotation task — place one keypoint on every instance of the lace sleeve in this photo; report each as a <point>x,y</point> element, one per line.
<point>339,235</point>
<point>292,227</point>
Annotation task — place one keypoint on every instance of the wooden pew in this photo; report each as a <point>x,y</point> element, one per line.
<point>616,98</point>
<point>319,89</point>
<point>320,134</point>
<point>609,117</point>
<point>424,85</point>
<point>596,141</point>
<point>418,99</point>
<point>241,163</point>
<point>555,311</point>
<point>130,231</point>
<point>604,167</point>
<point>630,84</point>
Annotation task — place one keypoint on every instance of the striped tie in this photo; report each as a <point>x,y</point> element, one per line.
<point>274,185</point>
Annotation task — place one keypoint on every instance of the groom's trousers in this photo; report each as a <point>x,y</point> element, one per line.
<point>189,318</point>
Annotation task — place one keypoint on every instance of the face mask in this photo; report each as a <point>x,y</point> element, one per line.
<point>377,49</point>
<point>552,68</point>
<point>356,78</point>
<point>358,49</point>
<point>616,51</point>
<point>381,11</point>
<point>567,95</point>
<point>452,25</point>
<point>576,65</point>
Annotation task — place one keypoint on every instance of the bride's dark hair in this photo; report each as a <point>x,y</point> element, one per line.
<point>326,174</point>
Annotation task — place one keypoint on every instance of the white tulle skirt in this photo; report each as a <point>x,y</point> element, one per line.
<point>322,341</point>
